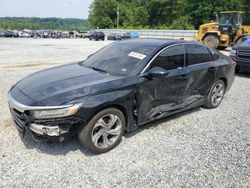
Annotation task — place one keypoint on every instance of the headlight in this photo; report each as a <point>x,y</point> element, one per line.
<point>55,113</point>
<point>233,53</point>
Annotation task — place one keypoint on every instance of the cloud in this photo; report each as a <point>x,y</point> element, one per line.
<point>65,5</point>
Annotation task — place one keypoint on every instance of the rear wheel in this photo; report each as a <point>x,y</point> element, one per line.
<point>211,41</point>
<point>104,131</point>
<point>215,95</point>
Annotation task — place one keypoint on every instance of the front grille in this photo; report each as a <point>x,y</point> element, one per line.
<point>243,55</point>
<point>19,120</point>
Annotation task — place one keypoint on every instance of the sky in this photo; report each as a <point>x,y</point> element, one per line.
<point>45,8</point>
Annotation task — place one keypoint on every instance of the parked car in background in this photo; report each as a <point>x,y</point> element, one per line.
<point>23,34</point>
<point>10,34</point>
<point>114,36</point>
<point>126,35</point>
<point>97,35</point>
<point>241,54</point>
<point>1,33</point>
<point>119,88</point>
<point>82,34</point>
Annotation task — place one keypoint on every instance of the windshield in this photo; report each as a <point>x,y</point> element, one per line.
<point>230,19</point>
<point>120,58</point>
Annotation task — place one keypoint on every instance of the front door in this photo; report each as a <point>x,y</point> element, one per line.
<point>158,95</point>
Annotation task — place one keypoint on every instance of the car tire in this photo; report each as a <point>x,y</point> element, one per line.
<point>103,132</point>
<point>215,94</point>
<point>237,69</point>
<point>211,41</point>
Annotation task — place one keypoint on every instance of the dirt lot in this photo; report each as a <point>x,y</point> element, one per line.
<point>198,148</point>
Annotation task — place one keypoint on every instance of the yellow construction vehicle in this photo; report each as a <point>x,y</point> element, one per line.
<point>226,31</point>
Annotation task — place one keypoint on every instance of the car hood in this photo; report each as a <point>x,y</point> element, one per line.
<point>62,84</point>
<point>243,46</point>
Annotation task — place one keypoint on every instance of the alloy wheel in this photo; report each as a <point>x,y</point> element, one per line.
<point>106,131</point>
<point>217,94</point>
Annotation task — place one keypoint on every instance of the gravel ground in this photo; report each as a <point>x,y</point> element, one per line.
<point>198,148</point>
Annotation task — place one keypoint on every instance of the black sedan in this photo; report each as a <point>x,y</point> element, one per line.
<point>114,36</point>
<point>126,35</point>
<point>97,35</point>
<point>119,88</point>
<point>241,54</point>
<point>10,34</point>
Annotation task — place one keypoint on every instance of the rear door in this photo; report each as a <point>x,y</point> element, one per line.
<point>202,71</point>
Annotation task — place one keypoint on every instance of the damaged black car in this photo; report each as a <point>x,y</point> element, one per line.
<point>119,88</point>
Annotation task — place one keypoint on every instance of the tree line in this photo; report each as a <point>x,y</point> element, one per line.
<point>135,14</point>
<point>160,14</point>
<point>10,23</point>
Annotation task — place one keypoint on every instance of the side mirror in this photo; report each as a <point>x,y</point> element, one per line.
<point>157,72</point>
<point>238,25</point>
<point>89,56</point>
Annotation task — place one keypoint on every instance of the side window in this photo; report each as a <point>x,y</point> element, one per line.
<point>214,55</point>
<point>170,59</point>
<point>197,54</point>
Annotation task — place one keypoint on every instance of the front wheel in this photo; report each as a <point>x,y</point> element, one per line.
<point>211,41</point>
<point>104,131</point>
<point>215,95</point>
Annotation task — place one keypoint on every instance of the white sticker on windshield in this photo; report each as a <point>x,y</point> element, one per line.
<point>137,55</point>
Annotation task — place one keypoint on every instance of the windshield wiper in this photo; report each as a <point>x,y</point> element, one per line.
<point>99,70</point>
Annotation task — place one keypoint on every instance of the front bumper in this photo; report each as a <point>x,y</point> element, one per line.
<point>53,127</point>
<point>46,130</point>
<point>241,62</point>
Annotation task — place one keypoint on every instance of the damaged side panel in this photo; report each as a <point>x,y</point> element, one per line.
<point>121,99</point>
<point>160,95</point>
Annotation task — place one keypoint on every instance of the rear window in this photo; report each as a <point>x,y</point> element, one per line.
<point>214,55</point>
<point>197,54</point>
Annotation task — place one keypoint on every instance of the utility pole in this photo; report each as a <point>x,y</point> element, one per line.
<point>118,17</point>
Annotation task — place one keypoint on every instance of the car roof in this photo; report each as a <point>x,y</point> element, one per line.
<point>153,42</point>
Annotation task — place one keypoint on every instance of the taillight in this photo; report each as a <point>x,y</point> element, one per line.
<point>234,63</point>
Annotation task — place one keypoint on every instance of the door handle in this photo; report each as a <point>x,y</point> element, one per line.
<point>211,69</point>
<point>182,76</point>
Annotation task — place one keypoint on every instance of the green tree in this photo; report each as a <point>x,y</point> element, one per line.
<point>103,13</point>
<point>42,23</point>
<point>203,11</point>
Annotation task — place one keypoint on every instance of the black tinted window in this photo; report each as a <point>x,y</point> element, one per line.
<point>214,55</point>
<point>197,54</point>
<point>171,58</point>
